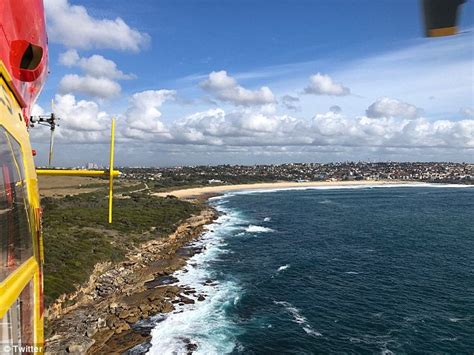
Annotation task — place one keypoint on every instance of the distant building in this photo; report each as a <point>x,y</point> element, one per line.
<point>215,181</point>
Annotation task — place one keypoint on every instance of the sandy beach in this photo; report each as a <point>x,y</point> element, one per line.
<point>220,189</point>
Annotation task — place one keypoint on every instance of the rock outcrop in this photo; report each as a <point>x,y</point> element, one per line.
<point>100,317</point>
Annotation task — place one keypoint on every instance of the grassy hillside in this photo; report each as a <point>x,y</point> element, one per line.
<point>77,235</point>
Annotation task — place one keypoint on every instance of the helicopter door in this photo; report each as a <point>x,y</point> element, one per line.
<point>16,326</point>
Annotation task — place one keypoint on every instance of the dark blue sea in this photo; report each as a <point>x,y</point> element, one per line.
<point>331,270</point>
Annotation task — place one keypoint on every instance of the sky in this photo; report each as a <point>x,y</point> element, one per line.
<point>197,82</point>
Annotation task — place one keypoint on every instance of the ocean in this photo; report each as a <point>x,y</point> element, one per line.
<point>330,270</point>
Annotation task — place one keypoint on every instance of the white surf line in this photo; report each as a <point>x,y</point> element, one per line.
<point>298,318</point>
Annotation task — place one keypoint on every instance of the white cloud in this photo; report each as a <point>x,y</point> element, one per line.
<point>96,65</point>
<point>72,26</point>
<point>423,69</point>
<point>387,107</point>
<point>103,88</point>
<point>69,58</point>
<point>100,79</point>
<point>321,84</point>
<point>226,88</point>
<point>142,123</point>
<point>37,110</point>
<point>81,115</point>
<point>81,121</point>
<point>143,114</point>
<point>244,128</point>
<point>207,127</point>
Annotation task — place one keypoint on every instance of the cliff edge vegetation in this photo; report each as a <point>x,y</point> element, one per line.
<point>77,235</point>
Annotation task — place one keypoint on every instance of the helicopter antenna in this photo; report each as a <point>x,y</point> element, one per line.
<point>49,121</point>
<point>51,137</point>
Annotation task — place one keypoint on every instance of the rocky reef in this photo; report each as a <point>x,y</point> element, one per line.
<point>111,312</point>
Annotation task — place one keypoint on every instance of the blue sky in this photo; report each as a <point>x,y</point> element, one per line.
<point>282,64</point>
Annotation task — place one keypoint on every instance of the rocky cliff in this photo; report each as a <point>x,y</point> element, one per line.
<point>102,315</point>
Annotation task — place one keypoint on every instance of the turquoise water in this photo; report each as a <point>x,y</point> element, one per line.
<point>353,270</point>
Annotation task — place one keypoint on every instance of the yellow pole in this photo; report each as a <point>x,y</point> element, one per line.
<point>111,168</point>
<point>64,172</point>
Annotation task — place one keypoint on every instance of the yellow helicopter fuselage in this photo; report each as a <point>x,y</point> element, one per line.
<point>21,249</point>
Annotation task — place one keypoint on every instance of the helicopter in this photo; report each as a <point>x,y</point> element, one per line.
<point>23,72</point>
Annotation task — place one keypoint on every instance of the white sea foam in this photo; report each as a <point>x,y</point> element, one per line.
<point>312,332</point>
<point>284,267</point>
<point>298,318</point>
<point>257,229</point>
<point>203,323</point>
<point>351,273</point>
<point>267,219</point>
<point>456,320</point>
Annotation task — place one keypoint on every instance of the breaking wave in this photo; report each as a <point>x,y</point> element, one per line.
<point>258,229</point>
<point>298,318</point>
<point>203,326</point>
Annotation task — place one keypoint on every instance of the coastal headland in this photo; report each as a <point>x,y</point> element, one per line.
<point>103,281</point>
<point>103,316</point>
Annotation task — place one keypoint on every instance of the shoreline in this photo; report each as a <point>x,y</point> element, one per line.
<point>207,192</point>
<point>109,309</point>
<point>143,286</point>
<point>175,333</point>
<point>193,336</point>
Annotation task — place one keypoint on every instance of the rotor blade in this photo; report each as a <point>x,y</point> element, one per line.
<point>441,17</point>
<point>51,143</point>
<point>53,108</point>
<point>111,168</point>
